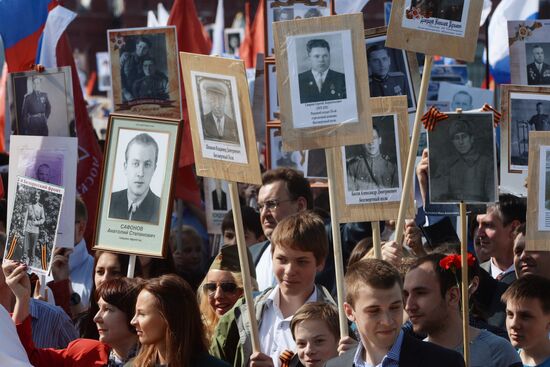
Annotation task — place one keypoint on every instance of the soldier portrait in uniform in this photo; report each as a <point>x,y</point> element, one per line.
<point>472,157</point>
<point>153,84</point>
<point>216,104</point>
<point>373,166</point>
<point>320,82</point>
<point>538,71</point>
<point>42,103</point>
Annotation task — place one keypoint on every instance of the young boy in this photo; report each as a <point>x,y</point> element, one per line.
<point>252,227</point>
<point>374,301</point>
<point>299,247</point>
<point>528,318</point>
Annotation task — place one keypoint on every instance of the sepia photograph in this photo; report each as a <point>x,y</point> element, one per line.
<point>463,145</point>
<point>529,52</point>
<point>136,185</point>
<point>41,103</point>
<point>144,71</point>
<point>33,224</point>
<point>439,16</point>
<point>233,38</point>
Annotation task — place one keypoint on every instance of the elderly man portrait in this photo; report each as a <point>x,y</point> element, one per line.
<point>216,124</point>
<point>320,83</point>
<point>538,72</point>
<point>35,111</point>
<point>138,202</point>
<point>382,81</point>
<point>154,84</point>
<point>131,67</point>
<point>371,170</point>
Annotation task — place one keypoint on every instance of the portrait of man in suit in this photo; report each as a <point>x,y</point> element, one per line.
<point>219,197</point>
<point>137,202</point>
<point>216,124</point>
<point>538,72</point>
<point>320,82</point>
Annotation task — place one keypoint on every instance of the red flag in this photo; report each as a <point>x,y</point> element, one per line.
<point>89,152</point>
<point>254,36</point>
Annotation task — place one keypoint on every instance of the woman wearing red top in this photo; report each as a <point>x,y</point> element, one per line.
<point>117,338</point>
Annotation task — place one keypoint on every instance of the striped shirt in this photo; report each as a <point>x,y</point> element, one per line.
<point>391,359</point>
<point>51,326</point>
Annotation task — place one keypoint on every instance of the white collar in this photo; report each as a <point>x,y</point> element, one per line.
<point>495,271</point>
<point>138,203</point>
<point>323,75</point>
<point>274,299</point>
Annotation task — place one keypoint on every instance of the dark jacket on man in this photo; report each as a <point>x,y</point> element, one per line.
<point>147,211</point>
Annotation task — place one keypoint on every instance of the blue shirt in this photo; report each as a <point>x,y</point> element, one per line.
<point>51,326</point>
<point>391,359</point>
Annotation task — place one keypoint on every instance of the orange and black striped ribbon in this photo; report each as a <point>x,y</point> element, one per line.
<point>44,260</point>
<point>497,115</point>
<point>286,357</point>
<point>431,117</point>
<point>12,247</point>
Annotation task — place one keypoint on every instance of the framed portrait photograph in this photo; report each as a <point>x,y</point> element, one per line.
<point>277,157</point>
<point>447,28</point>
<point>537,236</point>
<point>103,71</point>
<point>370,176</point>
<point>271,96</point>
<point>461,96</point>
<point>463,145</point>
<point>278,11</point>
<point>52,160</point>
<point>233,38</point>
<point>316,164</point>
<point>32,228</point>
<point>526,111</point>
<point>392,72</point>
<point>136,185</point>
<point>529,52</point>
<point>144,71</point>
<point>216,203</point>
<point>221,122</point>
<point>323,97</point>
<point>41,103</point>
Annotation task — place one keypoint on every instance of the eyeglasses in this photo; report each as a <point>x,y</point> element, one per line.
<point>211,288</point>
<point>272,204</point>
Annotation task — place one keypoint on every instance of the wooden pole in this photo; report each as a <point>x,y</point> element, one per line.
<point>376,239</point>
<point>409,171</point>
<point>131,266</point>
<point>245,266</point>
<point>336,240</point>
<point>465,283</point>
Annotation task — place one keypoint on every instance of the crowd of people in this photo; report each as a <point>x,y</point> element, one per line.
<point>189,310</point>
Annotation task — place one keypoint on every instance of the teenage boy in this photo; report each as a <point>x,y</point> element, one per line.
<point>432,301</point>
<point>298,249</point>
<point>528,318</point>
<point>374,302</point>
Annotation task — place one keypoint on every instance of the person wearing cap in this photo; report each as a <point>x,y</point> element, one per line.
<point>216,124</point>
<point>221,287</point>
<point>476,171</point>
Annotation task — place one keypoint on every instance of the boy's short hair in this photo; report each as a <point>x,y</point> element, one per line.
<point>375,273</point>
<point>251,221</point>
<point>317,311</point>
<point>304,231</point>
<point>529,286</point>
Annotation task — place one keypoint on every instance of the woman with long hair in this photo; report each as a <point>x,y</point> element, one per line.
<point>117,343</point>
<point>169,326</point>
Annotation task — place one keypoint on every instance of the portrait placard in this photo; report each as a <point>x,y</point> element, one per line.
<point>216,203</point>
<point>271,97</point>
<point>446,28</point>
<point>537,236</point>
<point>103,71</point>
<point>277,157</point>
<point>32,228</point>
<point>463,145</point>
<point>233,38</point>
<point>278,11</point>
<point>136,185</point>
<point>324,96</point>
<point>41,103</point>
<point>370,176</point>
<point>392,72</point>
<point>461,96</point>
<point>144,71</point>
<point>50,160</point>
<point>529,52</point>
<point>220,118</point>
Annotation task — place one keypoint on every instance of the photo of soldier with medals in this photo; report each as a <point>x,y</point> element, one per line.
<point>35,111</point>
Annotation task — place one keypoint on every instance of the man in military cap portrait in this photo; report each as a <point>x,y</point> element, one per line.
<point>35,110</point>
<point>475,170</point>
<point>320,83</point>
<point>371,170</point>
<point>383,82</point>
<point>216,124</point>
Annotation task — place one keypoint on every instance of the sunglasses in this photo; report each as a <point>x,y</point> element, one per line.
<point>211,288</point>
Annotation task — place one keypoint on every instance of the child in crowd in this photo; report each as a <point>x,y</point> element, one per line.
<point>528,319</point>
<point>299,248</point>
<point>253,232</point>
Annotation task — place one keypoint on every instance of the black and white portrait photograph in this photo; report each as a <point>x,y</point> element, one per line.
<point>544,189</point>
<point>103,71</point>
<point>466,98</point>
<point>528,112</point>
<point>463,145</point>
<point>278,11</point>
<point>44,165</point>
<point>280,158</point>
<point>216,203</point>
<point>372,170</point>
<point>529,52</point>
<point>321,73</point>
<point>389,73</point>
<point>233,39</point>
<point>316,164</point>
<point>42,102</point>
<point>144,71</point>
<point>272,97</point>
<point>439,16</point>
<point>33,225</point>
<point>138,176</point>
<point>537,55</point>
